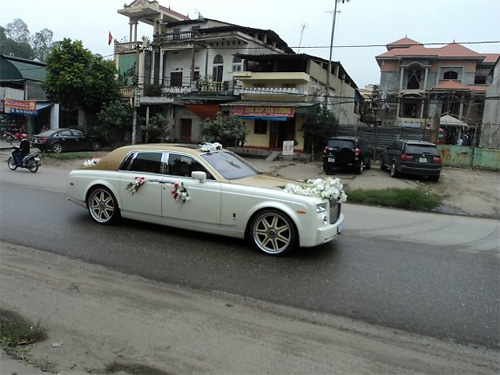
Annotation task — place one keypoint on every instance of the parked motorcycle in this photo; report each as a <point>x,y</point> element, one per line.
<point>30,161</point>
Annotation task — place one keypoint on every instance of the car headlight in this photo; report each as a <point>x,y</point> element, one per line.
<point>321,207</point>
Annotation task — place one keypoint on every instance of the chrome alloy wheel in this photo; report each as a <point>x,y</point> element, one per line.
<point>273,232</point>
<point>102,206</point>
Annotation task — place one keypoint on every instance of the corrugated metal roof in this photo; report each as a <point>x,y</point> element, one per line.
<point>14,68</point>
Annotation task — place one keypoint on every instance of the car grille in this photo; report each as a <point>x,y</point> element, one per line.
<point>334,211</point>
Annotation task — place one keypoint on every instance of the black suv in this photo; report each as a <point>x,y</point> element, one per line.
<point>418,158</point>
<point>346,152</point>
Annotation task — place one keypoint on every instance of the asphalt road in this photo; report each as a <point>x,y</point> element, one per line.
<point>431,274</point>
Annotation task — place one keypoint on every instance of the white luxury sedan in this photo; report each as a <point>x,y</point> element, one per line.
<point>208,189</point>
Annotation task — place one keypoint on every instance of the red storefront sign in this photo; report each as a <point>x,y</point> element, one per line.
<point>263,111</point>
<point>20,107</point>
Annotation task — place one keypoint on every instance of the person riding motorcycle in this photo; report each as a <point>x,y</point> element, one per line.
<point>21,152</point>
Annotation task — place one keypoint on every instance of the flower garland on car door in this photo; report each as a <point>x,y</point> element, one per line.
<point>134,186</point>
<point>180,192</point>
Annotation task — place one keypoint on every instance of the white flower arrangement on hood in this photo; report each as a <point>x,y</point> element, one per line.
<point>328,189</point>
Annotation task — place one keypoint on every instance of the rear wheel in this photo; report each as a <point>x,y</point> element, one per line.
<point>394,172</point>
<point>360,168</point>
<point>434,178</point>
<point>32,166</point>
<point>273,232</point>
<point>12,163</point>
<point>96,146</point>
<point>57,148</point>
<point>102,205</point>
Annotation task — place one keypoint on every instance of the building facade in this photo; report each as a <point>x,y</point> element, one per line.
<point>192,69</point>
<point>419,85</point>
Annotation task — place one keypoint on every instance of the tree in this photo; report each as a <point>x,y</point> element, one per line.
<point>18,31</point>
<point>322,126</point>
<point>10,47</point>
<point>42,44</point>
<point>158,129</point>
<point>80,80</point>
<point>114,120</point>
<point>227,130</point>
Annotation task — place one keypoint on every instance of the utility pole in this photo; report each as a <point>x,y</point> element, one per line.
<point>135,96</point>
<point>331,51</point>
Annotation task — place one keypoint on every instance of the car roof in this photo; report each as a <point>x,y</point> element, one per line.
<point>344,138</point>
<point>112,160</point>
<point>417,142</point>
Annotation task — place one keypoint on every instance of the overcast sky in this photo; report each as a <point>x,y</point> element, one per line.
<point>300,23</point>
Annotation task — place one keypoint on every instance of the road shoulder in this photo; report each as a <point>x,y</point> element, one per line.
<point>96,316</point>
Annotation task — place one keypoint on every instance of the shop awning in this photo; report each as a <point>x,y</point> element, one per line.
<point>40,106</point>
<point>448,120</point>
<point>204,111</point>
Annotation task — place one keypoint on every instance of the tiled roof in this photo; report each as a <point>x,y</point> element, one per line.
<point>491,58</point>
<point>409,48</point>
<point>402,43</point>
<point>450,85</point>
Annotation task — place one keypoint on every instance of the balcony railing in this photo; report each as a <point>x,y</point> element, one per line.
<point>273,91</point>
<point>179,37</point>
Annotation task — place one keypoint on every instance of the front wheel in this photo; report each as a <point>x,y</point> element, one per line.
<point>33,166</point>
<point>273,232</point>
<point>102,206</point>
<point>12,164</point>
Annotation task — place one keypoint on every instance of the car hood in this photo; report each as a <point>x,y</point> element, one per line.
<point>264,181</point>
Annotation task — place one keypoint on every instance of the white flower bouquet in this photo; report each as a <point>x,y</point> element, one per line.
<point>328,189</point>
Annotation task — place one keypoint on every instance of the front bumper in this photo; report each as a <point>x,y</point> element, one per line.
<point>323,234</point>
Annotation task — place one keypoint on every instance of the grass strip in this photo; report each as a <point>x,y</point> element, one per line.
<point>408,199</point>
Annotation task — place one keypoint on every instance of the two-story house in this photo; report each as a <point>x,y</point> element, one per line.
<point>281,93</point>
<point>419,83</point>
<point>196,68</point>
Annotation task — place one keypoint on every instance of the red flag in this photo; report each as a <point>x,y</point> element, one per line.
<point>110,38</point>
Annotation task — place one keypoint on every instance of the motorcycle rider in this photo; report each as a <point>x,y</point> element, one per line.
<point>21,152</point>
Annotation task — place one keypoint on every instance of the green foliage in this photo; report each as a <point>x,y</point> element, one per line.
<point>78,79</point>
<point>9,46</point>
<point>114,119</point>
<point>158,129</point>
<point>42,43</point>
<point>15,39</point>
<point>322,126</point>
<point>227,130</point>
<point>16,331</point>
<point>408,199</point>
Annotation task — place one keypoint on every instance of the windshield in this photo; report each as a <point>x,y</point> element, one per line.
<point>229,165</point>
<point>422,149</point>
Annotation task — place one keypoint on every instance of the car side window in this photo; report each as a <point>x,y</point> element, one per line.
<point>64,133</point>
<point>149,162</point>
<point>182,165</point>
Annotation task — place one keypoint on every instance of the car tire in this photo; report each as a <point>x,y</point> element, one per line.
<point>434,178</point>
<point>394,171</point>
<point>11,163</point>
<point>102,205</point>
<point>368,165</point>
<point>96,146</point>
<point>273,232</point>
<point>57,148</point>
<point>360,168</point>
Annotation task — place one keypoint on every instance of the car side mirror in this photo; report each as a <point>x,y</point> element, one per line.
<point>199,175</point>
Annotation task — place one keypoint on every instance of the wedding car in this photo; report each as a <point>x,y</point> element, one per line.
<point>208,189</point>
